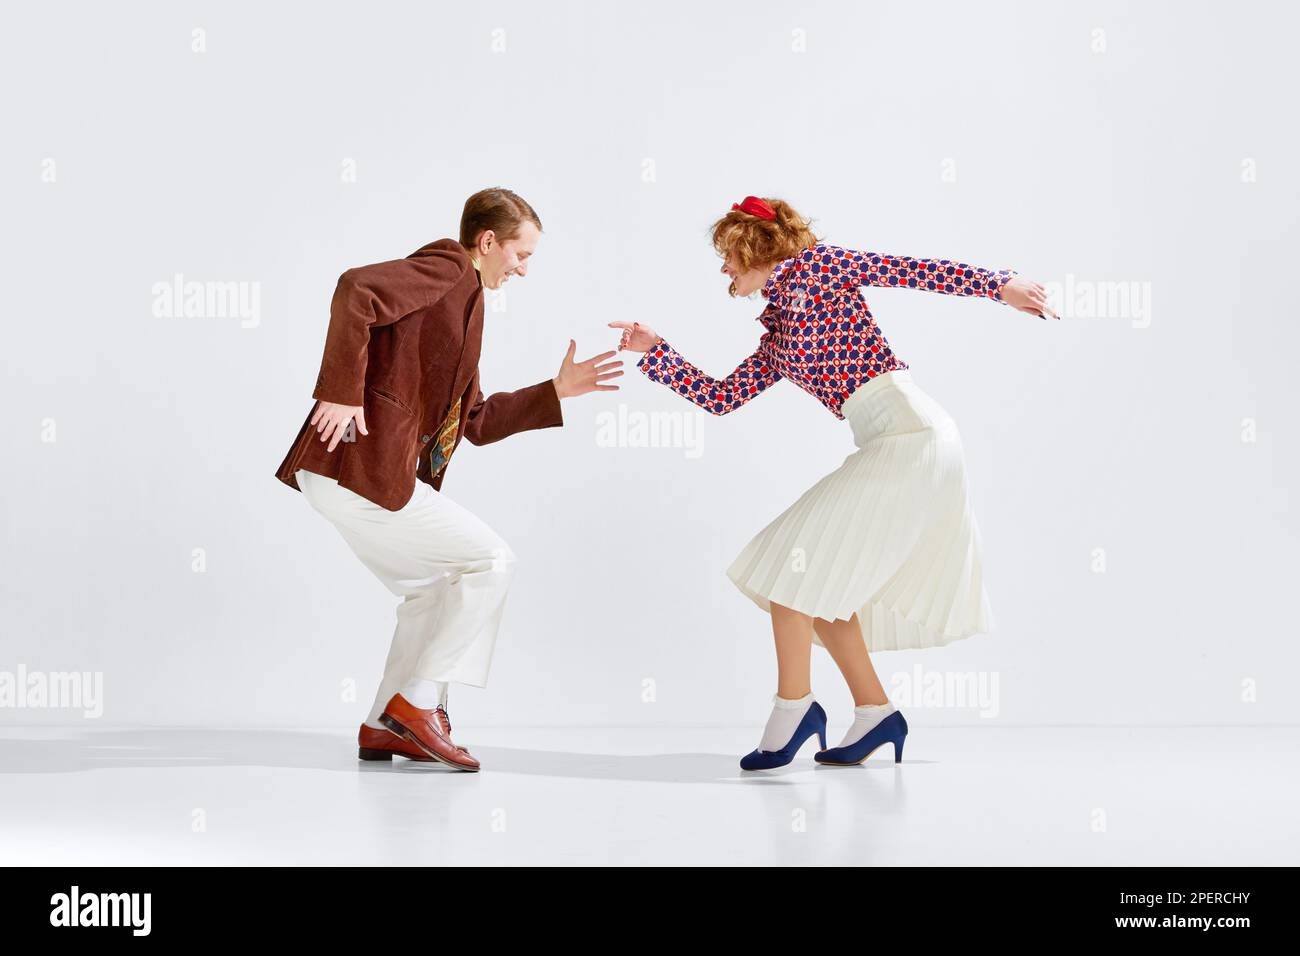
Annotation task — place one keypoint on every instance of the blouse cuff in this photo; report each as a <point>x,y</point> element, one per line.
<point>655,358</point>
<point>1000,279</point>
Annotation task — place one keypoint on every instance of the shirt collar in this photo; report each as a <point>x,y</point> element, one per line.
<point>776,292</point>
<point>775,284</point>
<point>477,269</point>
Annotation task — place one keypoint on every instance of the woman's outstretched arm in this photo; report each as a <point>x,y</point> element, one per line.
<point>934,275</point>
<point>944,276</point>
<point>664,364</point>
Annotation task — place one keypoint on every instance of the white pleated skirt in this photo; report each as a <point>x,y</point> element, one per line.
<point>889,535</point>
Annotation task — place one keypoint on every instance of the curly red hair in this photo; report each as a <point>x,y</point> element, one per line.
<point>759,242</point>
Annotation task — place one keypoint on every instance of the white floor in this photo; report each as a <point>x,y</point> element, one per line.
<point>1089,796</point>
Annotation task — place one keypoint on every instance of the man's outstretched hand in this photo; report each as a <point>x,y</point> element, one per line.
<point>331,421</point>
<point>579,378</point>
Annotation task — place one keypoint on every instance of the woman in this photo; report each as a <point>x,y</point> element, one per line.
<point>884,552</point>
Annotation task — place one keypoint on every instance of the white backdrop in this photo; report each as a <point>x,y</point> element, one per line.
<point>1132,471</point>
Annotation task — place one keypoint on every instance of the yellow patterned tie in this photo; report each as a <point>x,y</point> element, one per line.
<point>440,454</point>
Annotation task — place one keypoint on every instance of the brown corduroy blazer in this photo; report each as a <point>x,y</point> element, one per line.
<point>403,342</point>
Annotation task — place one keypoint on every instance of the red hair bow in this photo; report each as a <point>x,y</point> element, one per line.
<point>755,207</point>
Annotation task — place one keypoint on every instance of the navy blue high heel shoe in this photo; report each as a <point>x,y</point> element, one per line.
<point>893,729</point>
<point>813,723</point>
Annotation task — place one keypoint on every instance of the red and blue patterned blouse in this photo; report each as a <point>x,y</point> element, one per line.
<point>820,333</point>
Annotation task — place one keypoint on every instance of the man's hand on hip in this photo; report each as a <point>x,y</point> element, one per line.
<point>332,420</point>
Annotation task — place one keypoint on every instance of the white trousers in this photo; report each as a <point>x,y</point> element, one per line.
<point>451,570</point>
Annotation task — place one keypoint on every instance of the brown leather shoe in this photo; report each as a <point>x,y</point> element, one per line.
<point>379,744</point>
<point>430,730</point>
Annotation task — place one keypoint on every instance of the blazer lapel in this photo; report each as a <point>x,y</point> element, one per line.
<point>469,355</point>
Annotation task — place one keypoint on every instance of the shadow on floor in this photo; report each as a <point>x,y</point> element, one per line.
<point>74,752</point>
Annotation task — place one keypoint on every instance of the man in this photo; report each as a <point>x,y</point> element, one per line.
<point>398,389</point>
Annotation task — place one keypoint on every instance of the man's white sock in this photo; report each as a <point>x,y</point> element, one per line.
<point>786,715</point>
<point>865,717</point>
<point>426,694</point>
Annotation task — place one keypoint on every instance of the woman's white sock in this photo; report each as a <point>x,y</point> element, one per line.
<point>426,694</point>
<point>865,718</point>
<point>786,715</point>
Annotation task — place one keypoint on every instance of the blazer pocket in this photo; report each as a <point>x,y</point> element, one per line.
<point>393,400</point>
